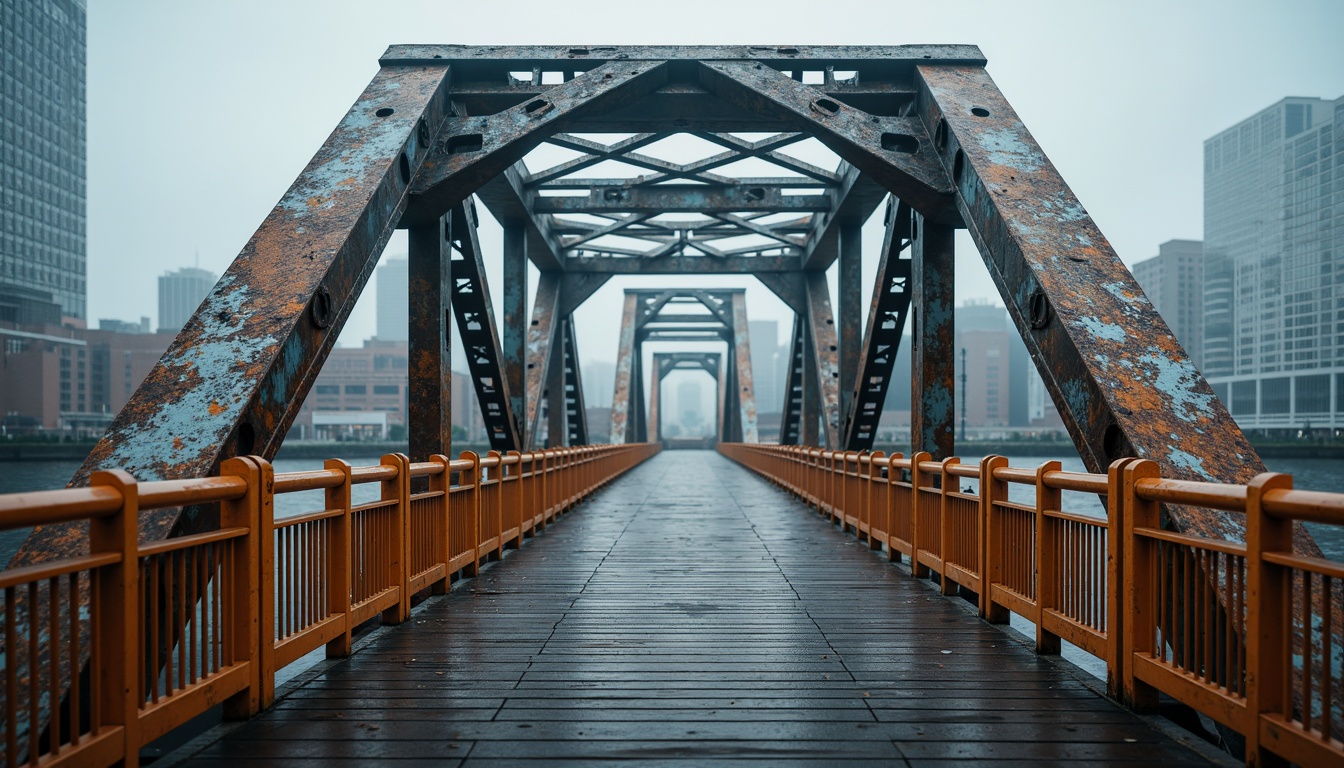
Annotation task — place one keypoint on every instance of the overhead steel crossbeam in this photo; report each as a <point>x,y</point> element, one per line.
<point>923,123</point>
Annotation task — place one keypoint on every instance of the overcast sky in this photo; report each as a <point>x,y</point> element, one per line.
<point>201,114</point>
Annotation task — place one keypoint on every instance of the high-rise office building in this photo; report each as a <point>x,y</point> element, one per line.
<point>42,216</point>
<point>393,304</point>
<point>180,294</point>
<point>1174,281</point>
<point>1273,345</point>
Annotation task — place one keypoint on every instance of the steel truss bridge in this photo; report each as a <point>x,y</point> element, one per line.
<point>922,136</point>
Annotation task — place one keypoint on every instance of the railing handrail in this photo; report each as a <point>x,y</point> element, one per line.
<point>1224,626</point>
<point>293,584</point>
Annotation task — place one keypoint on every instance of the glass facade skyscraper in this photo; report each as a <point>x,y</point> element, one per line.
<point>42,138</point>
<point>1274,266</point>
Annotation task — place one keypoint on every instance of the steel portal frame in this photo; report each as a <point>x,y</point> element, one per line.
<point>439,123</point>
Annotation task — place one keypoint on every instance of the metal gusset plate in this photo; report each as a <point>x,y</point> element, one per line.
<point>541,335</point>
<point>887,313</point>
<point>791,415</point>
<point>429,373</point>
<point>1121,381</point>
<point>472,150</point>
<point>893,150</point>
<point>480,339</point>
<point>789,287</point>
<point>504,197</point>
<point>235,377</point>
<point>825,356</point>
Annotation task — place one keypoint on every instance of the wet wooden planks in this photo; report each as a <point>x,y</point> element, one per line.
<point>692,614</point>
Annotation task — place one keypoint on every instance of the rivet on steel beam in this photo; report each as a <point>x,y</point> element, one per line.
<point>1040,310</point>
<point>320,309</point>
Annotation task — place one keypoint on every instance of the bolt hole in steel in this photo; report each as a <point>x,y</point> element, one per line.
<point>958,166</point>
<point>940,135</point>
<point>385,112</point>
<point>979,111</point>
<point>320,309</point>
<point>826,106</point>
<point>246,442</point>
<point>788,51</point>
<point>914,229</point>
<point>537,107</point>
<point>1040,310</point>
<point>467,142</point>
<point>756,193</point>
<point>578,51</point>
<point>1113,443</point>
<point>404,168</point>
<point>422,133</point>
<point>899,142</point>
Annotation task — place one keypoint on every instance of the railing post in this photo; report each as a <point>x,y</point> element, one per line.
<point>1047,570</point>
<point>398,560</point>
<point>917,569</point>
<point>260,477</point>
<point>243,623</point>
<point>1269,606</point>
<point>1115,537</point>
<point>442,483</point>
<point>945,584</point>
<point>1140,590</point>
<point>117,627</point>
<point>871,501</point>
<point>992,491</point>
<point>498,511</point>
<point>474,505</point>
<point>340,558</point>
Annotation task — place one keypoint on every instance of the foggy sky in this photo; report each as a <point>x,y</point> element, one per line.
<point>200,115</point>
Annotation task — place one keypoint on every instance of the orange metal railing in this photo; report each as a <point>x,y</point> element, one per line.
<point>1245,632</point>
<point>165,630</point>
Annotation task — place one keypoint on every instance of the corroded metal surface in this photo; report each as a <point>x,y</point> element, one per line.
<point>825,367</point>
<point>625,374</point>
<point>933,354</point>
<point>744,392</point>
<point>541,334</point>
<point>515,320</point>
<point>791,415</point>
<point>429,372</point>
<point>1115,371</point>
<point>887,313</point>
<point>850,297</point>
<point>576,413</point>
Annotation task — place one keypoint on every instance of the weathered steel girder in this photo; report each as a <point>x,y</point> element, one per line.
<point>576,413</point>
<point>791,414</point>
<point>887,315</point>
<point>480,339</point>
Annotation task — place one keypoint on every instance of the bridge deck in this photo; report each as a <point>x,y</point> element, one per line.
<point>693,614</point>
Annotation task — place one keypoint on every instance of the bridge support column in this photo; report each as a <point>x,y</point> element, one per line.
<point>851,299</point>
<point>515,324</point>
<point>932,362</point>
<point>430,413</point>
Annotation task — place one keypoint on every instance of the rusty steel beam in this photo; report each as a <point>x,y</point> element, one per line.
<point>621,401</point>
<point>233,380</point>
<point>429,374</point>
<point>541,334</point>
<point>480,339</point>
<point>515,319</point>
<point>576,413</point>
<point>668,198</point>
<point>894,151</point>
<point>933,349</point>
<point>682,265</point>
<point>557,412</point>
<point>850,297</point>
<point>724,410</point>
<point>887,315</point>
<point>853,200</point>
<point>570,58</point>
<point>472,150</point>
<point>825,361</point>
<point>1118,376</point>
<point>744,392</point>
<point>791,415</point>
<point>811,433</point>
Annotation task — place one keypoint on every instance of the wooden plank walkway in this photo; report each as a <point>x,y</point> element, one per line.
<point>692,614</point>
